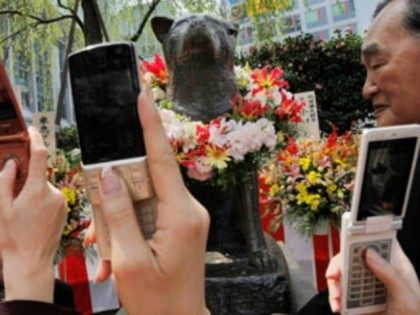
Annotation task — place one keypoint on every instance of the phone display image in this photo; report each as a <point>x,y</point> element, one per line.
<point>105,91</point>
<point>105,86</point>
<point>385,170</point>
<point>14,138</point>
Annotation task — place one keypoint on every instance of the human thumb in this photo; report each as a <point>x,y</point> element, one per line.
<point>118,209</point>
<point>385,272</point>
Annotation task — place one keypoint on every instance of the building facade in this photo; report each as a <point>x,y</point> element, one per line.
<point>318,17</point>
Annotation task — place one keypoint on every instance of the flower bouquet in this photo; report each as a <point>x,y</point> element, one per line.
<point>310,181</point>
<point>231,147</point>
<point>66,175</point>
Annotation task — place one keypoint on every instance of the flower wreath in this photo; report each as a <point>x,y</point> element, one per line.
<point>264,114</point>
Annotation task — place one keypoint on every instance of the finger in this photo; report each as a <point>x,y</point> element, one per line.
<point>104,271</point>
<point>333,275</point>
<point>385,272</point>
<point>334,295</point>
<point>164,170</point>
<point>39,155</point>
<point>7,182</point>
<point>90,236</point>
<point>334,270</point>
<point>404,267</point>
<point>119,213</point>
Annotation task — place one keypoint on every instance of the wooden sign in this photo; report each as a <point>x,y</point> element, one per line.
<point>309,127</point>
<point>44,122</point>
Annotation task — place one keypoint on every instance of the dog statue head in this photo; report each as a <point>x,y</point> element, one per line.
<point>199,52</point>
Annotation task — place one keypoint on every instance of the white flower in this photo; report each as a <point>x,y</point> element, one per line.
<point>158,93</point>
<point>243,76</point>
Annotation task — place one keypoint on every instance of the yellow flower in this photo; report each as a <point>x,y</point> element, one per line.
<point>331,188</point>
<point>217,157</point>
<point>313,177</point>
<point>301,187</point>
<point>313,200</point>
<point>69,195</point>
<point>274,190</point>
<point>304,163</point>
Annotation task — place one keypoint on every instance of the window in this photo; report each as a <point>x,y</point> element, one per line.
<point>23,78</point>
<point>343,10</point>
<point>292,24</point>
<point>312,2</point>
<point>316,17</point>
<point>322,35</point>
<point>245,36</point>
<point>43,78</point>
<point>348,28</point>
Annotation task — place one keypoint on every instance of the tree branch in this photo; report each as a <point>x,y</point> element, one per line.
<point>152,7</point>
<point>39,20</point>
<point>23,29</point>
<point>74,13</point>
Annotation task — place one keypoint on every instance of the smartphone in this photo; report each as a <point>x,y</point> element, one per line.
<point>14,137</point>
<point>105,85</point>
<point>385,171</point>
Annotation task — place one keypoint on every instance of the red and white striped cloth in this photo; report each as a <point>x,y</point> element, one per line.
<point>313,254</point>
<point>89,296</point>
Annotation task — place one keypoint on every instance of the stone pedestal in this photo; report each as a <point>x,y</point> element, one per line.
<point>238,288</point>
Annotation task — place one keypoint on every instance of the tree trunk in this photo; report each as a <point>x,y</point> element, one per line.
<point>93,34</point>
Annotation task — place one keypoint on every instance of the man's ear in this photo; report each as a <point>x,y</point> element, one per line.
<point>161,26</point>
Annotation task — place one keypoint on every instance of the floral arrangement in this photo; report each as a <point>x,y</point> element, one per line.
<point>66,175</point>
<point>310,180</point>
<point>234,145</point>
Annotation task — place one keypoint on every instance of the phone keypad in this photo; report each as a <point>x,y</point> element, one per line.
<point>364,289</point>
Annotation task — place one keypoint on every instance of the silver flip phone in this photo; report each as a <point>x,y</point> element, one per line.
<point>105,86</point>
<point>385,170</point>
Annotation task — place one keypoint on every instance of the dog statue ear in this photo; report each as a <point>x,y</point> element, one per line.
<point>161,26</point>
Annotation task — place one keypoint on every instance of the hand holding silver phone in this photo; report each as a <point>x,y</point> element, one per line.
<point>105,86</point>
<point>385,170</point>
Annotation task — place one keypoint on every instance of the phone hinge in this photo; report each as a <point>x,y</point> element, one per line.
<point>19,137</point>
<point>376,224</point>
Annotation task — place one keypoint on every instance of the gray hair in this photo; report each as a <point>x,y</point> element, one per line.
<point>411,20</point>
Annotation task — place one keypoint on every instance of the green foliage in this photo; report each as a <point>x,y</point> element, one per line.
<point>67,139</point>
<point>332,69</point>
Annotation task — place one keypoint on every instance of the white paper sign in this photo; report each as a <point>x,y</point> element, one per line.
<point>309,127</point>
<point>44,122</point>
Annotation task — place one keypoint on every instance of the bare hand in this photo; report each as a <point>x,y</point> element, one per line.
<point>31,226</point>
<point>163,275</point>
<point>400,279</point>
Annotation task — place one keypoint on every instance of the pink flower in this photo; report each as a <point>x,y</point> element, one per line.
<point>194,174</point>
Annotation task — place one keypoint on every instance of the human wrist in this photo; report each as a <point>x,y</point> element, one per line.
<point>31,280</point>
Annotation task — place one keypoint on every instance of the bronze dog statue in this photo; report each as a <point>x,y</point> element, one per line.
<point>199,52</point>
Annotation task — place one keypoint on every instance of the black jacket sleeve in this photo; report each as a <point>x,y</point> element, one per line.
<point>34,308</point>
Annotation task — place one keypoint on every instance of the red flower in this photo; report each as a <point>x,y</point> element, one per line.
<point>158,69</point>
<point>266,79</point>
<point>203,133</point>
<point>249,108</point>
<point>290,110</point>
<point>332,139</point>
<point>292,147</point>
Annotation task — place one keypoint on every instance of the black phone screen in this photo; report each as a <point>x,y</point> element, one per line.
<point>105,88</point>
<point>7,110</point>
<point>386,175</point>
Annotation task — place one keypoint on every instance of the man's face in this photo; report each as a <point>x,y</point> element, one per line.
<point>391,56</point>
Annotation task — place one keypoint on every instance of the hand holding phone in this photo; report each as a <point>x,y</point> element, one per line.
<point>14,138</point>
<point>105,86</point>
<point>385,170</point>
